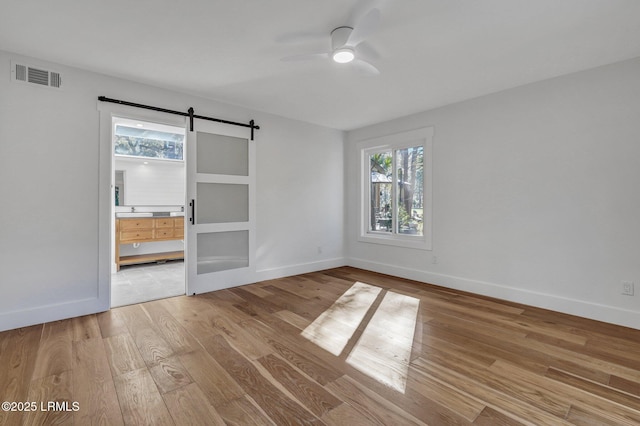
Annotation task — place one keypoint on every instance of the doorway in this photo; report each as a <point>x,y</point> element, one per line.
<point>149,185</point>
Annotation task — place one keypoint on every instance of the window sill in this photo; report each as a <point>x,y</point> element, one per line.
<point>413,242</point>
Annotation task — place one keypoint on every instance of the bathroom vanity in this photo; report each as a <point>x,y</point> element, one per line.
<point>145,228</point>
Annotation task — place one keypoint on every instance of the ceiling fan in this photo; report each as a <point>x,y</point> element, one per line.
<point>348,43</point>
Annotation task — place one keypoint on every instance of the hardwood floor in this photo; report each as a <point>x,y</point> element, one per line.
<point>336,347</point>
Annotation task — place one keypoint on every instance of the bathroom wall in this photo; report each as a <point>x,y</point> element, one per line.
<point>159,182</point>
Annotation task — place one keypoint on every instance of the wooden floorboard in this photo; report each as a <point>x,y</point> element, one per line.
<point>396,352</point>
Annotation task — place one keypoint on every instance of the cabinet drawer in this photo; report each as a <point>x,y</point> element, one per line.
<point>178,232</point>
<point>162,233</point>
<point>136,235</point>
<point>127,224</point>
<point>163,223</point>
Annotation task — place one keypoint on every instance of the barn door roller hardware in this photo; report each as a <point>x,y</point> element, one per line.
<point>189,113</point>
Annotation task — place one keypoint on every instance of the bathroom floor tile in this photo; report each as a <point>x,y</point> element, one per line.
<point>142,283</point>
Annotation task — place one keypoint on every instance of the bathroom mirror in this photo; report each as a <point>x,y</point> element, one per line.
<point>119,188</point>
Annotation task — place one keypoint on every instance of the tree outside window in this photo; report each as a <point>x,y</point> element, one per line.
<point>403,212</point>
<point>134,142</point>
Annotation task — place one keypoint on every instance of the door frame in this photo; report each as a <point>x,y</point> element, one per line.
<point>106,200</point>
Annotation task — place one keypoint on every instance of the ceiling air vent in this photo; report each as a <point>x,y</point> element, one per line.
<point>36,75</point>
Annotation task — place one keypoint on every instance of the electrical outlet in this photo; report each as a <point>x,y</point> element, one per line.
<point>319,249</point>
<point>627,288</point>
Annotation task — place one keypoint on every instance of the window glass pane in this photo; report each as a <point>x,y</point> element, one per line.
<point>222,203</point>
<point>222,155</point>
<point>409,165</point>
<point>381,187</point>
<point>135,142</point>
<point>220,251</point>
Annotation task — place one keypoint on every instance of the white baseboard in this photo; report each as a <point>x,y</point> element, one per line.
<point>301,268</point>
<point>595,311</point>
<point>599,312</point>
<point>38,315</point>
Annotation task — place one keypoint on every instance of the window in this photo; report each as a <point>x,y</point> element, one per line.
<point>396,190</point>
<point>148,143</point>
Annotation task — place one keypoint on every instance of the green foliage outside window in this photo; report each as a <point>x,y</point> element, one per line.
<point>149,144</point>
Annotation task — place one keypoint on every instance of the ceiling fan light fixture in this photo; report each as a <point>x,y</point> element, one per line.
<point>343,55</point>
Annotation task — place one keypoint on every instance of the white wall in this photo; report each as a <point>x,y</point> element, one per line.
<point>53,216</point>
<point>157,183</point>
<point>300,198</point>
<point>536,195</point>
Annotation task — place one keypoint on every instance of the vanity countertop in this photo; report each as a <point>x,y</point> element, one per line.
<point>148,214</point>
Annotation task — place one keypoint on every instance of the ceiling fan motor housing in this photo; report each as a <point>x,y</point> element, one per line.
<point>341,53</point>
<point>339,37</point>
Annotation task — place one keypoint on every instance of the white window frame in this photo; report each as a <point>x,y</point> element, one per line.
<point>419,137</point>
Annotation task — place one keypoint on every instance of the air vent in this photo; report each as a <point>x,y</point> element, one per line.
<point>36,75</point>
<point>21,73</point>
<point>54,79</point>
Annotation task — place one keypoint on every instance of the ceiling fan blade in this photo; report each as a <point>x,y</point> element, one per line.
<point>365,26</point>
<point>366,68</point>
<point>367,52</point>
<point>361,8</point>
<point>305,57</point>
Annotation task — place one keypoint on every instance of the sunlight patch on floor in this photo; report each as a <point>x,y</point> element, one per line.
<point>383,351</point>
<point>335,326</point>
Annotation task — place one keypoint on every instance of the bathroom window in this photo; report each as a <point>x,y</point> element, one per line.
<point>140,142</point>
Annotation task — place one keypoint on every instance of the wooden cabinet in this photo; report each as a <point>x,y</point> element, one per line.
<point>147,230</point>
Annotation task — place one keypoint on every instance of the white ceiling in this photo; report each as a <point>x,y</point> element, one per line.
<point>432,52</point>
